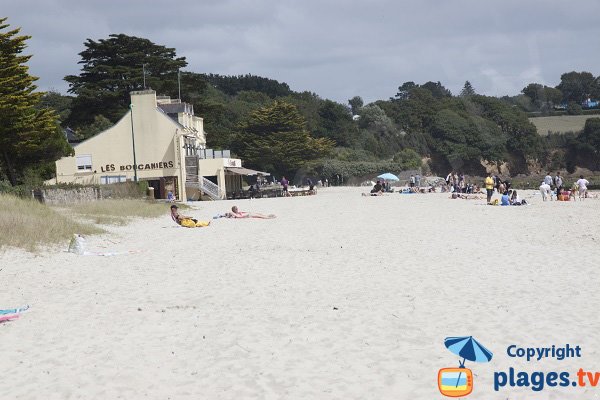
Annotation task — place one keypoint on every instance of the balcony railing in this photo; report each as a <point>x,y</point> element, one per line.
<point>210,153</point>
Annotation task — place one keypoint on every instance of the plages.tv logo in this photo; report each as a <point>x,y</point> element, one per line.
<point>458,382</point>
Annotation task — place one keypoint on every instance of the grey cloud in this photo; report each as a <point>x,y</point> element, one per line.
<point>337,49</point>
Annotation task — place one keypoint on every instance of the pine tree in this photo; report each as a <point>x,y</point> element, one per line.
<point>467,90</point>
<point>112,68</point>
<point>29,137</point>
<point>275,138</point>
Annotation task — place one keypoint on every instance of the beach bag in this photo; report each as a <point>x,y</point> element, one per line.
<point>77,245</point>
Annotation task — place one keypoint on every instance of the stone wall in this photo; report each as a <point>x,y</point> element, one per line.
<point>68,196</point>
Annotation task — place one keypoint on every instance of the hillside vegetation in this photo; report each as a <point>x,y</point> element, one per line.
<point>273,128</point>
<point>559,124</point>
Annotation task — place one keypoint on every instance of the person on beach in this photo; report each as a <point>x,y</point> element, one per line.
<point>501,188</point>
<point>449,178</point>
<point>185,220</point>
<point>505,199</point>
<point>546,191</point>
<point>284,183</point>
<point>456,195</point>
<point>558,183</point>
<point>311,186</point>
<point>582,187</point>
<point>377,189</point>
<point>514,199</point>
<point>236,213</point>
<point>489,187</point>
<point>170,197</point>
<point>548,179</point>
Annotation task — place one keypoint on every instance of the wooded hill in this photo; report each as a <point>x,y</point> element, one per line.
<point>424,126</point>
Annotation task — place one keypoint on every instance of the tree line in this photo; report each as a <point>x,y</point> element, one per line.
<point>271,127</point>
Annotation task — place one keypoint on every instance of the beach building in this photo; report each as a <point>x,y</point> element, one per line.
<point>161,141</point>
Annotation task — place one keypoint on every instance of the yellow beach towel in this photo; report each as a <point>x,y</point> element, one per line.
<point>189,223</point>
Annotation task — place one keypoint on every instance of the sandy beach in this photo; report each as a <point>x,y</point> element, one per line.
<point>340,297</point>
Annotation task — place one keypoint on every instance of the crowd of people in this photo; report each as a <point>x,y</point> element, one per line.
<point>458,183</point>
<point>553,188</point>
<point>492,183</point>
<point>550,188</point>
<point>413,186</point>
<point>511,198</point>
<point>461,187</point>
<point>283,187</point>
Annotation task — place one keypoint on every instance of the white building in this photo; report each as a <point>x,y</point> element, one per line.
<point>161,141</point>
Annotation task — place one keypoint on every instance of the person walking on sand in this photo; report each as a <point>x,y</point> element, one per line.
<point>582,184</point>
<point>489,187</point>
<point>284,183</point>
<point>546,191</point>
<point>550,182</point>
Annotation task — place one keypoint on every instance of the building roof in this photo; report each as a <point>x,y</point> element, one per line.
<point>245,171</point>
<point>176,108</point>
<point>72,137</point>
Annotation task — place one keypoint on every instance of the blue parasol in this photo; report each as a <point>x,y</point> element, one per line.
<point>388,177</point>
<point>469,349</point>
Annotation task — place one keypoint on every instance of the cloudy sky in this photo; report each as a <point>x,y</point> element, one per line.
<point>335,48</point>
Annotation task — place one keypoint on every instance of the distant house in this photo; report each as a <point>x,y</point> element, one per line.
<point>589,103</point>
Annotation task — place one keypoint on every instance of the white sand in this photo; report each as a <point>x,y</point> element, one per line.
<point>340,297</point>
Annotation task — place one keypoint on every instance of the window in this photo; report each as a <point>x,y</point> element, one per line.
<point>84,163</point>
<point>105,180</point>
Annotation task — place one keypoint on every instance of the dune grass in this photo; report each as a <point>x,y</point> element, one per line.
<point>28,224</point>
<point>118,212</point>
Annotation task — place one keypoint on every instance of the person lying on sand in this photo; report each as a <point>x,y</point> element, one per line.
<point>236,213</point>
<point>465,196</point>
<point>186,221</point>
